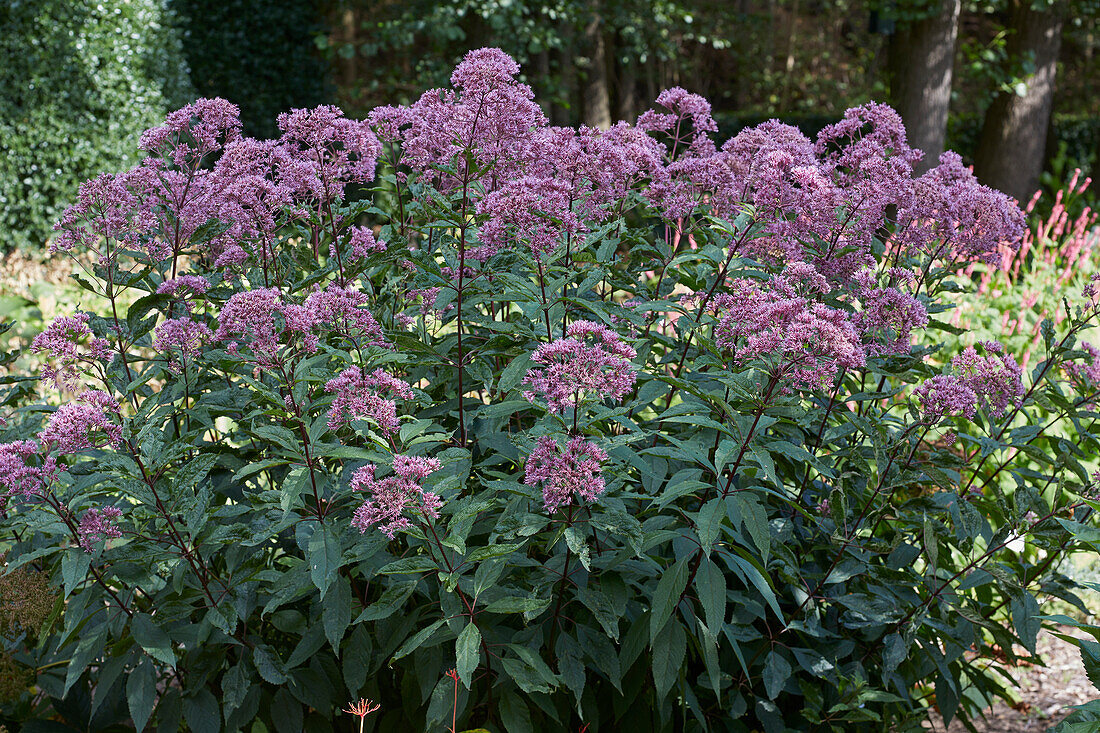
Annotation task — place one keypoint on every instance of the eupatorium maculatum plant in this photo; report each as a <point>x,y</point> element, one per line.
<point>632,428</point>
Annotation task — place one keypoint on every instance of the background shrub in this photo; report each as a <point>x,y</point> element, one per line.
<point>79,81</point>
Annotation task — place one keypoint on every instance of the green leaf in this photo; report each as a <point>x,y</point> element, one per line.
<point>268,666</point>
<point>416,564</point>
<point>669,649</point>
<point>1090,658</point>
<point>708,523</point>
<point>324,557</point>
<point>153,639</point>
<point>894,652</point>
<point>74,568</point>
<point>286,712</point>
<point>200,710</point>
<point>336,614</point>
<point>235,686</point>
<point>746,507</point>
<point>416,640</point>
<point>710,585</point>
<point>514,373</point>
<point>1025,617</point>
<point>777,670</point>
<point>670,589</point>
<point>388,603</point>
<point>531,605</point>
<point>292,487</point>
<point>141,693</point>
<point>468,653</point>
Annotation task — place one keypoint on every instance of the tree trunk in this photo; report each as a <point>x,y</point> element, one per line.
<point>920,58</point>
<point>1013,137</point>
<point>597,102</point>
<point>628,93</point>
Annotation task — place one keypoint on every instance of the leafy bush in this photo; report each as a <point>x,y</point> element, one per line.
<point>627,430</point>
<point>79,83</point>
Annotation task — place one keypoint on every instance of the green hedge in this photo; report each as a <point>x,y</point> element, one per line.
<point>79,81</point>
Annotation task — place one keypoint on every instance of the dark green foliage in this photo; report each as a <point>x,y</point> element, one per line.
<point>258,54</point>
<point>79,81</point>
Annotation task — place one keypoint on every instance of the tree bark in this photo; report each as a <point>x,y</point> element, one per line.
<point>920,60</point>
<point>1013,138</point>
<point>597,99</point>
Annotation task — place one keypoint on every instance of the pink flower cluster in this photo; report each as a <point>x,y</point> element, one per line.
<point>592,360</point>
<point>361,395</point>
<point>97,524</point>
<point>993,382</point>
<point>489,113</point>
<point>262,316</point>
<point>391,497</point>
<point>20,477</point>
<point>888,317</point>
<point>953,217</point>
<point>61,342</point>
<point>183,338</point>
<point>801,341</point>
<point>191,285</point>
<point>1088,373</point>
<point>363,244</point>
<point>82,425</point>
<point>565,472</point>
<point>534,211</point>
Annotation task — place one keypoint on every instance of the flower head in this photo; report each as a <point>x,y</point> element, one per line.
<point>392,497</point>
<point>82,425</point>
<point>252,314</point>
<point>183,338</point>
<point>366,395</point>
<point>993,381</point>
<point>62,341</point>
<point>20,473</point>
<point>592,360</point>
<point>565,472</point>
<point>97,524</point>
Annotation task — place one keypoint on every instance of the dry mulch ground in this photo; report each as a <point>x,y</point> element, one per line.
<point>1047,694</point>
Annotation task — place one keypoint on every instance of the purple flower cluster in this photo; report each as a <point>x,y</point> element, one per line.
<point>61,342</point>
<point>361,395</point>
<point>268,322</point>
<point>251,314</point>
<point>565,472</point>
<point>392,496</point>
<point>592,360</point>
<point>183,338</point>
<point>1087,373</point>
<point>888,317</point>
<point>953,217</point>
<point>992,381</point>
<point>98,524</point>
<point>534,211</point>
<point>191,285</point>
<point>19,475</point>
<point>802,341</point>
<point>82,425</point>
<point>343,311</point>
